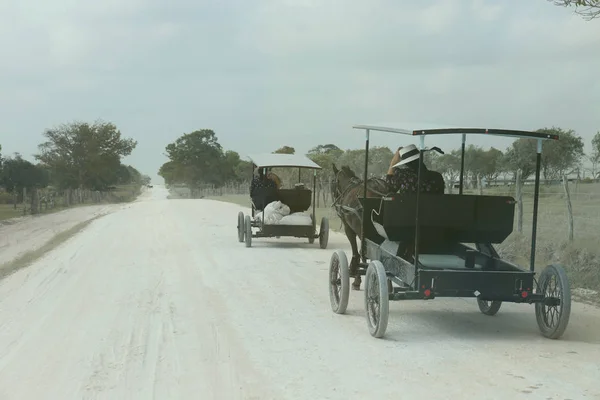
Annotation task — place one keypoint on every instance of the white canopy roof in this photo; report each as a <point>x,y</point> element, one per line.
<point>420,129</point>
<point>283,160</point>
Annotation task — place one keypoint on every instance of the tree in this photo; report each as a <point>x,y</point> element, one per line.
<point>126,174</point>
<point>331,149</point>
<point>448,165</point>
<point>195,158</point>
<point>491,164</point>
<point>521,155</point>
<point>81,155</point>
<point>558,156</point>
<point>561,157</point>
<point>285,150</point>
<point>171,173</point>
<point>588,9</point>
<point>18,174</point>
<point>324,155</point>
<point>594,157</point>
<point>146,180</point>
<point>238,170</point>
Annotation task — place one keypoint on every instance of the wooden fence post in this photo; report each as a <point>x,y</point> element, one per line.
<point>24,201</point>
<point>35,201</point>
<point>519,196</point>
<point>569,206</point>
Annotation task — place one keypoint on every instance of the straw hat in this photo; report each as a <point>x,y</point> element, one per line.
<point>408,154</point>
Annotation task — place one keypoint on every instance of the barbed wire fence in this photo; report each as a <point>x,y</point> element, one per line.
<point>568,209</point>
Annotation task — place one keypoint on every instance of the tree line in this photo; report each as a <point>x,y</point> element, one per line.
<point>197,159</point>
<point>76,155</point>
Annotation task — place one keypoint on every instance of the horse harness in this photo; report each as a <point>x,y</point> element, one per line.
<point>343,210</point>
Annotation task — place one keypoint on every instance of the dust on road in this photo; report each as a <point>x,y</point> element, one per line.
<point>160,300</point>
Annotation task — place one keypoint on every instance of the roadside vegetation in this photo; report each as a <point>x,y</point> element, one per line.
<point>77,164</point>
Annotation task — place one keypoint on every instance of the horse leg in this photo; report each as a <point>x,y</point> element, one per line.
<point>355,256</point>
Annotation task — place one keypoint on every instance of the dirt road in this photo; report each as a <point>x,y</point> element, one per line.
<point>158,300</point>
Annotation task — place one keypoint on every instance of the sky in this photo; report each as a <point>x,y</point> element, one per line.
<point>267,73</point>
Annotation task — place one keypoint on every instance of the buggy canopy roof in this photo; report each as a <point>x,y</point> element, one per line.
<point>431,129</point>
<point>268,160</point>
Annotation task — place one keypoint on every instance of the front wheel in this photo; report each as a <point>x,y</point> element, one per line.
<point>248,234</point>
<point>324,233</point>
<point>377,301</point>
<point>339,282</point>
<point>552,314</point>
<point>489,307</point>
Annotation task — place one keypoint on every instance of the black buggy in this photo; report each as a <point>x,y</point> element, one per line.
<point>298,199</point>
<point>420,242</point>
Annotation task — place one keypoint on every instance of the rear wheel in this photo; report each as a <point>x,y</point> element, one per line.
<point>324,233</point>
<point>552,314</point>
<point>489,307</point>
<point>248,228</point>
<point>240,227</point>
<point>339,282</point>
<point>377,301</point>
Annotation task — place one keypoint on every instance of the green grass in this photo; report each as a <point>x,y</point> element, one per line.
<point>7,211</point>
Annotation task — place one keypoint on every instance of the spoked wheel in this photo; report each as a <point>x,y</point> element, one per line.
<point>553,312</point>
<point>339,282</point>
<point>248,228</point>
<point>377,302</point>
<point>241,227</point>
<point>489,307</point>
<point>324,233</point>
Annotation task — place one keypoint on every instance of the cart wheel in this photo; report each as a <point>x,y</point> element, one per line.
<point>339,282</point>
<point>324,233</point>
<point>489,307</point>
<point>248,227</point>
<point>377,300</point>
<point>240,226</point>
<point>553,319</point>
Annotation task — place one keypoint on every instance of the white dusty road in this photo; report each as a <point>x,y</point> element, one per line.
<point>159,300</point>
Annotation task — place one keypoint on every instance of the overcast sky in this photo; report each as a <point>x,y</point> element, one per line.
<point>268,73</point>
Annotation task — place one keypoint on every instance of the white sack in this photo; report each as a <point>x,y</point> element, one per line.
<point>274,212</point>
<point>296,219</point>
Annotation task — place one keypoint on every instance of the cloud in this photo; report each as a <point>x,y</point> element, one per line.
<point>266,73</point>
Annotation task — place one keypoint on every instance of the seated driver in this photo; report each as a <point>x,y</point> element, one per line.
<point>263,190</point>
<point>272,176</point>
<point>403,174</point>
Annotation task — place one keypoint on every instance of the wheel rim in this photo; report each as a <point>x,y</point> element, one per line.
<point>373,301</point>
<point>335,280</point>
<point>552,288</point>
<point>485,304</point>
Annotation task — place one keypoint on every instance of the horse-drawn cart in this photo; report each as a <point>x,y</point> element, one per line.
<point>296,200</point>
<point>421,241</point>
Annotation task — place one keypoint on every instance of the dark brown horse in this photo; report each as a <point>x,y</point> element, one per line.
<point>346,189</point>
